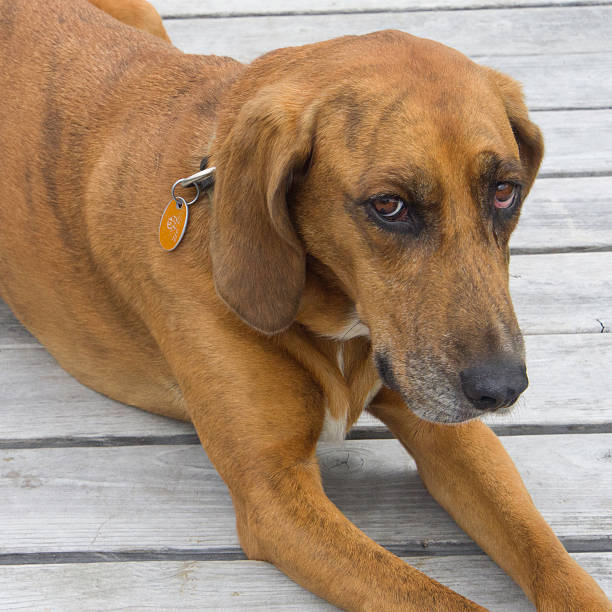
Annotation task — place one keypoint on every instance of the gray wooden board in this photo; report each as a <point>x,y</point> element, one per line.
<point>562,292</point>
<point>40,401</point>
<point>576,142</point>
<point>550,81</point>
<point>160,498</point>
<point>178,8</point>
<point>552,293</point>
<point>560,80</point>
<point>502,32</point>
<point>239,585</point>
<point>42,405</point>
<point>565,214</point>
<point>12,333</point>
<point>569,389</point>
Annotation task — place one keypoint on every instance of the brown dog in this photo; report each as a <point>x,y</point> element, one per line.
<point>354,255</point>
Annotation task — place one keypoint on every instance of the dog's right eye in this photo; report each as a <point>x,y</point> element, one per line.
<point>505,195</point>
<point>390,208</point>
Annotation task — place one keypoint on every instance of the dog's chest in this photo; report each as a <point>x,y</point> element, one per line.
<point>350,385</point>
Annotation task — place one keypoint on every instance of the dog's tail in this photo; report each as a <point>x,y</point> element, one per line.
<point>136,13</point>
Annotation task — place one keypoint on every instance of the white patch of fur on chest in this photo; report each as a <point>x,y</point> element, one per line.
<point>334,429</point>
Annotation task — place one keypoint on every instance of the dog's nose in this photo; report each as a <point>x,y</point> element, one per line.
<point>493,384</point>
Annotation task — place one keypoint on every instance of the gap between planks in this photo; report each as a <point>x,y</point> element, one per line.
<point>412,549</point>
<point>560,250</point>
<point>483,6</point>
<point>367,432</point>
<point>542,29</point>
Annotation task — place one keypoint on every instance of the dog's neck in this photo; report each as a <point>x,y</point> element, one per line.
<point>325,307</point>
<point>335,347</point>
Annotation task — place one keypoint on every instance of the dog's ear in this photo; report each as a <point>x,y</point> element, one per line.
<point>526,133</point>
<point>258,260</point>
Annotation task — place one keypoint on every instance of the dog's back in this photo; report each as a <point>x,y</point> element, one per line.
<point>85,100</point>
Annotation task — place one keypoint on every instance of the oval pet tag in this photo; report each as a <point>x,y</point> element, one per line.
<point>173,224</point>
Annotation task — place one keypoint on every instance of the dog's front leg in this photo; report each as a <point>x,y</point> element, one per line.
<point>258,415</point>
<point>466,468</point>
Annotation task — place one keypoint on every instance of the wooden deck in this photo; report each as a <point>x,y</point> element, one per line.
<point>104,507</point>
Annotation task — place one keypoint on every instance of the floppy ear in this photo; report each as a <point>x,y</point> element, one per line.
<point>258,260</point>
<point>526,133</point>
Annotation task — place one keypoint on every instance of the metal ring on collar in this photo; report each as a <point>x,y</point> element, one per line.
<point>197,195</point>
<point>198,176</point>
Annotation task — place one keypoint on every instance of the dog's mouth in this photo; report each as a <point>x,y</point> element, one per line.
<point>437,412</point>
<point>435,392</point>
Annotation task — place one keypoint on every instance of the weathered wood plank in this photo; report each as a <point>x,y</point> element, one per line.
<point>561,80</point>
<point>12,332</point>
<point>240,585</point>
<point>562,292</point>
<point>569,387</point>
<point>41,401</point>
<point>569,391</point>
<point>553,293</point>
<point>476,32</point>
<point>160,497</point>
<point>182,8</point>
<point>577,142</point>
<point>565,214</point>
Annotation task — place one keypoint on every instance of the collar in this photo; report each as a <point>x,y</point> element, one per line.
<point>204,179</point>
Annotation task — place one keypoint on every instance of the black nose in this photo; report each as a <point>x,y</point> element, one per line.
<point>493,384</point>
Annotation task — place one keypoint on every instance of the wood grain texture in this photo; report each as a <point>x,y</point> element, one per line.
<point>137,498</point>
<point>40,400</point>
<point>42,405</point>
<point>239,585</point>
<point>552,293</point>
<point>563,292</point>
<point>476,32</point>
<point>178,8</point>
<point>576,142</point>
<point>558,80</point>
<point>565,214</point>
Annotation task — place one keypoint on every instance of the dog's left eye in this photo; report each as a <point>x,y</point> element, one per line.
<point>390,208</point>
<point>505,195</point>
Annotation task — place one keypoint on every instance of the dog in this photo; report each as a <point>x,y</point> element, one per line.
<point>352,255</point>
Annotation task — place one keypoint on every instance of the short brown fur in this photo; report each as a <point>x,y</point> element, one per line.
<point>284,293</point>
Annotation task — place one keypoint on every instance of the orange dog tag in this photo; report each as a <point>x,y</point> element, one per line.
<point>173,224</point>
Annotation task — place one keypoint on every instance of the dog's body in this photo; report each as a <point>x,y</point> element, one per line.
<point>97,123</point>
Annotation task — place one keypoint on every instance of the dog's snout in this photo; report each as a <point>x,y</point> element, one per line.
<point>494,384</point>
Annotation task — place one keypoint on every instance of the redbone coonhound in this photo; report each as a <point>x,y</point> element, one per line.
<point>353,254</point>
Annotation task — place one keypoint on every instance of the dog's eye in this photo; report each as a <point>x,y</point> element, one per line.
<point>505,194</point>
<point>390,208</point>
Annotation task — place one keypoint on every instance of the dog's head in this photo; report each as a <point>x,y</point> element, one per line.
<point>398,167</point>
